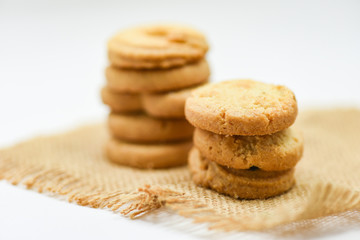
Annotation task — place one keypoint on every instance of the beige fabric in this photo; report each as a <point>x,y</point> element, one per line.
<point>73,164</point>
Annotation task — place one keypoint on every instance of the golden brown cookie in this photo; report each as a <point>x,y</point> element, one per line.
<point>275,152</point>
<point>124,63</point>
<point>148,155</point>
<point>168,104</point>
<point>121,102</point>
<point>241,107</point>
<point>156,46</point>
<point>245,184</point>
<point>140,81</point>
<point>143,128</point>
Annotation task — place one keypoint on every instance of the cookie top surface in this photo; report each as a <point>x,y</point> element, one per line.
<point>242,107</point>
<point>175,43</point>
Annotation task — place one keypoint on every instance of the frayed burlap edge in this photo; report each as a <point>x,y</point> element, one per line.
<point>324,200</point>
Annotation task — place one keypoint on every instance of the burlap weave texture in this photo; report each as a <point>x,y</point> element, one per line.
<point>73,165</point>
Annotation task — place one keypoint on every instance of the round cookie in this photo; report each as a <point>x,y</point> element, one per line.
<point>124,63</point>
<point>143,128</point>
<point>276,152</point>
<point>168,104</point>
<point>241,107</point>
<point>121,102</point>
<point>123,80</point>
<point>245,184</point>
<point>156,46</point>
<point>148,155</point>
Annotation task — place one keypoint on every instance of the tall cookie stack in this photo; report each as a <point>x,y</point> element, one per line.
<point>152,71</point>
<point>244,145</point>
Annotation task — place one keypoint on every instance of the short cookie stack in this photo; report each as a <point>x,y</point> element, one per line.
<point>153,70</point>
<point>244,145</point>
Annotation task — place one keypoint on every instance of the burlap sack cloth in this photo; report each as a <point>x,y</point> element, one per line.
<point>73,164</point>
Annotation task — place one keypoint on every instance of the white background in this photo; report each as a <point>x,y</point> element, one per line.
<point>52,59</point>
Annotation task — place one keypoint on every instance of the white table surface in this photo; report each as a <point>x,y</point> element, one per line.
<point>52,58</point>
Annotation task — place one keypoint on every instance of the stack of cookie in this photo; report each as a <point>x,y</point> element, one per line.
<point>244,145</point>
<point>153,70</point>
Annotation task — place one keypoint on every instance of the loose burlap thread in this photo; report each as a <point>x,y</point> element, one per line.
<point>73,164</point>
